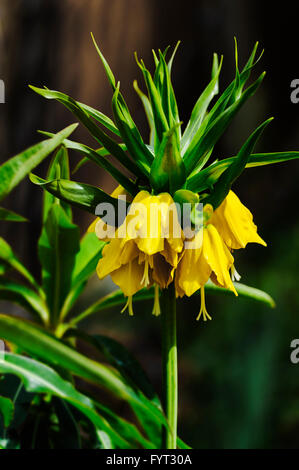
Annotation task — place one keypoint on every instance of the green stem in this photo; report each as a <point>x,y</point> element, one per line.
<point>170,374</point>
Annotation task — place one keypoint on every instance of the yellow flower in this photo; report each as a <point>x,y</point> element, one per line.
<point>146,247</point>
<point>235,224</point>
<point>208,259</point>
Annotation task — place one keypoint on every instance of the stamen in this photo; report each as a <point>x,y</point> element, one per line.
<point>234,274</point>
<point>156,307</point>
<point>145,280</point>
<point>129,306</point>
<point>203,311</point>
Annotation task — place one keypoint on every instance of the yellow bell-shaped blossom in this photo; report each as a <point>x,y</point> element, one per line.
<point>209,258</point>
<point>234,223</point>
<point>98,226</point>
<point>146,246</point>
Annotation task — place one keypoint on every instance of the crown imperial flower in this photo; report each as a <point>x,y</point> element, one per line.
<point>146,246</point>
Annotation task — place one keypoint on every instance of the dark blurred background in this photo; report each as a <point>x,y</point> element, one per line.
<point>238,388</point>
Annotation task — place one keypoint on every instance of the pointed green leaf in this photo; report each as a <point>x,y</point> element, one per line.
<point>58,168</point>
<point>226,99</point>
<point>11,216</point>
<point>199,147</point>
<point>201,106</point>
<point>81,195</point>
<point>39,378</point>
<point>207,178</point>
<point>170,62</point>
<point>237,166</point>
<point>27,298</point>
<point>108,70</point>
<point>148,111</point>
<point>10,259</point>
<point>244,291</point>
<point>7,410</point>
<point>100,136</point>
<point>97,157</point>
<point>57,249</point>
<point>161,124</point>
<point>168,170</point>
<point>119,357</point>
<point>130,134</point>
<point>117,298</point>
<point>40,343</point>
<point>85,265</point>
<point>15,169</point>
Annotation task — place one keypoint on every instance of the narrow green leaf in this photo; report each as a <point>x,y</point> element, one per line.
<point>199,147</point>
<point>117,298</point>
<point>85,265</point>
<point>27,298</point>
<point>168,99</point>
<point>81,195</point>
<point>104,439</point>
<point>119,357</point>
<point>108,70</point>
<point>15,169</point>
<point>101,118</point>
<point>226,180</point>
<point>40,343</point>
<point>58,168</point>
<point>201,106</point>
<point>168,170</point>
<point>39,378</point>
<point>182,445</point>
<point>11,216</point>
<point>244,291</point>
<point>90,252</point>
<point>100,136</point>
<point>7,410</point>
<point>207,178</point>
<point>226,99</point>
<point>97,157</point>
<point>10,259</point>
<point>69,430</point>
<point>123,427</point>
<point>57,249</point>
<point>161,124</point>
<point>170,62</point>
<point>130,134</point>
<point>148,112</point>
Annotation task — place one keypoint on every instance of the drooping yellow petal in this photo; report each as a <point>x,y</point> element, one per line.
<point>170,225</point>
<point>143,224</point>
<point>193,271</point>
<point>235,223</point>
<point>129,277</point>
<point>114,255</point>
<point>218,257</point>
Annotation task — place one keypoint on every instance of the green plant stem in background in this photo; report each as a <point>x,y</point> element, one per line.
<point>170,369</point>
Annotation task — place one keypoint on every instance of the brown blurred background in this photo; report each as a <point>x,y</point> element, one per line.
<point>238,388</point>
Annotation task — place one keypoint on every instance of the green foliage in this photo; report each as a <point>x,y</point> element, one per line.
<point>49,358</point>
<point>15,169</point>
